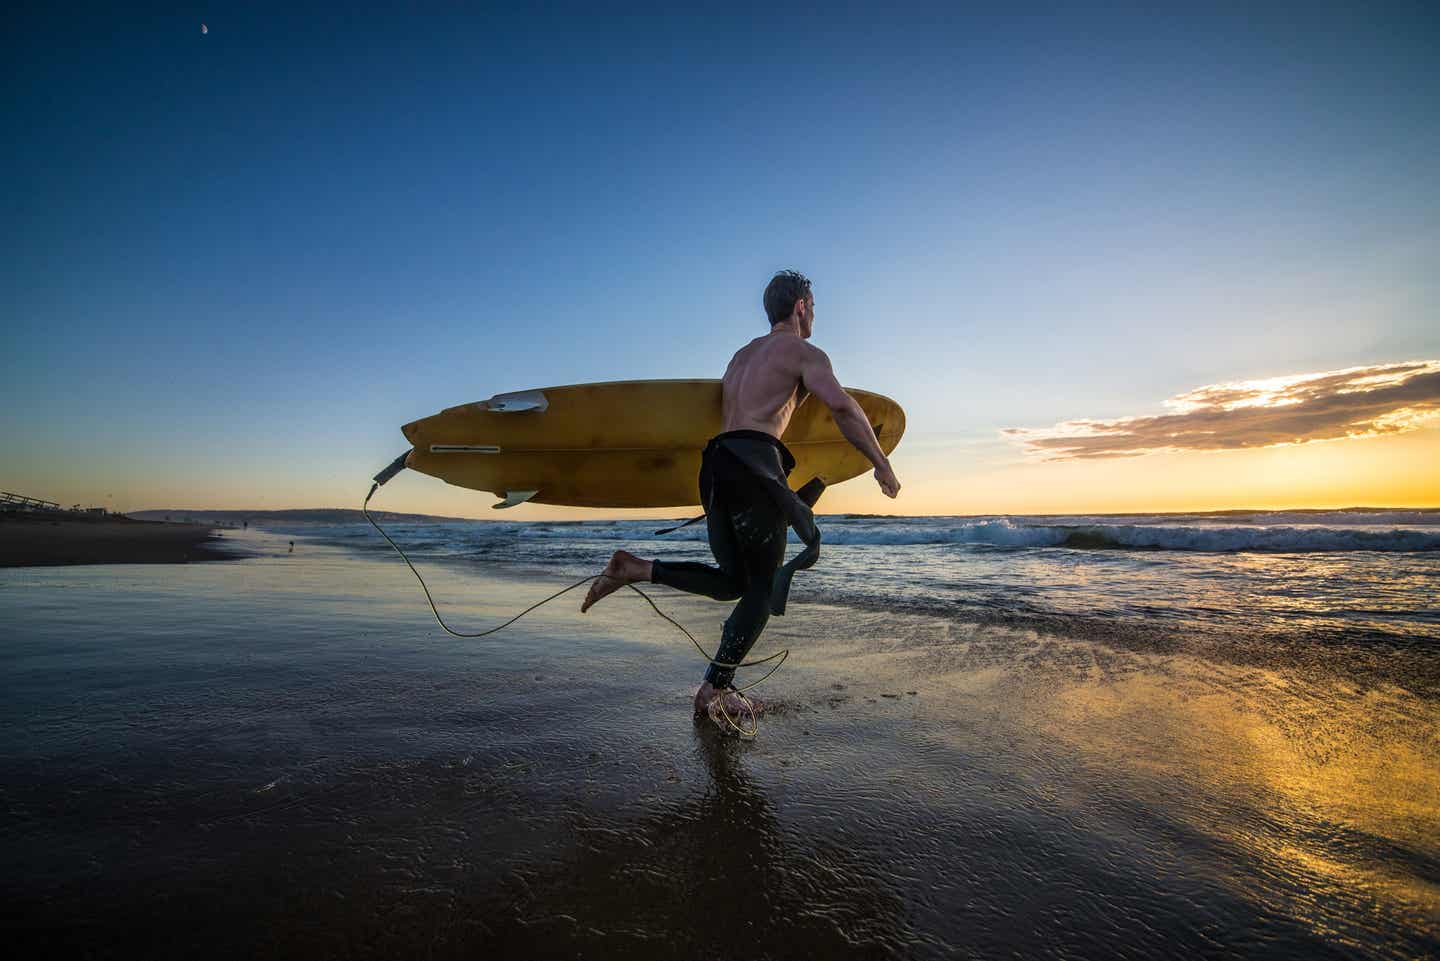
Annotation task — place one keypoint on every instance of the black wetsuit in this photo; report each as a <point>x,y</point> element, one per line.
<point>748,507</point>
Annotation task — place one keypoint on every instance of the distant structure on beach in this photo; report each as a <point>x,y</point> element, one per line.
<point>11,502</point>
<point>19,502</point>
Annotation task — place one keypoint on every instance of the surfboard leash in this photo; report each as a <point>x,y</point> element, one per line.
<point>732,722</point>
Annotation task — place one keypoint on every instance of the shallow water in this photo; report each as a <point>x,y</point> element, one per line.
<point>1360,574</point>
<point>283,755</point>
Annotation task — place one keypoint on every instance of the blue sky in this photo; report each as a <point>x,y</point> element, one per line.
<point>235,263</point>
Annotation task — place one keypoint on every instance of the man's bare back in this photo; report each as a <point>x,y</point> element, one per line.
<point>771,376</point>
<point>762,386</point>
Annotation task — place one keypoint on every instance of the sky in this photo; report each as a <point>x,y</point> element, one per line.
<point>234,263</point>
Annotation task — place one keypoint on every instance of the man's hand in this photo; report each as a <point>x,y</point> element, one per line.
<point>887,480</point>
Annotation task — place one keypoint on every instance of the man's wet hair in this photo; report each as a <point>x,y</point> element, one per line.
<point>785,288</point>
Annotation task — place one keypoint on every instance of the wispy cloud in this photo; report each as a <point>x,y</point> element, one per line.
<point>1335,404</point>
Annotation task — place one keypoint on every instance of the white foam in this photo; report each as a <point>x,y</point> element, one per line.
<point>1336,531</point>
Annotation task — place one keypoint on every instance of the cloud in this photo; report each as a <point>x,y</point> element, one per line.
<point>1298,409</point>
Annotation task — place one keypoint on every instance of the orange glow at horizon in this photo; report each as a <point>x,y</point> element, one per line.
<point>1398,470</point>
<point>1394,471</point>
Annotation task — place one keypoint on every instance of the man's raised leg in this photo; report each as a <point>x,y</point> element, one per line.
<point>624,568</point>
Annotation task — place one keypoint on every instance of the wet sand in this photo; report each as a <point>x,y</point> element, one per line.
<point>29,541</point>
<point>285,757</point>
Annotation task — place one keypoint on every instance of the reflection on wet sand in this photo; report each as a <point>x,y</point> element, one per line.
<point>1319,795</point>
<point>306,771</point>
<point>1335,788</point>
<point>712,876</point>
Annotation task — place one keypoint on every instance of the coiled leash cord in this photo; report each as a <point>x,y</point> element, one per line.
<point>746,703</point>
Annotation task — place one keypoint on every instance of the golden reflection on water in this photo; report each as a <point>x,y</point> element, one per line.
<point>1319,792</point>
<point>1320,780</point>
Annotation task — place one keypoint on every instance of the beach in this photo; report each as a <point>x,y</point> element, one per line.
<point>284,756</point>
<point>61,537</point>
<point>1098,342</point>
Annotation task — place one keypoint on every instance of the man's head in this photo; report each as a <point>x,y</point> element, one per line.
<point>789,296</point>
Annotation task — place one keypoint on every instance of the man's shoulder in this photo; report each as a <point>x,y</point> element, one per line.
<point>811,352</point>
<point>797,353</point>
<point>788,352</point>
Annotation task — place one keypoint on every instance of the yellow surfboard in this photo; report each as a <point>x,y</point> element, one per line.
<point>631,443</point>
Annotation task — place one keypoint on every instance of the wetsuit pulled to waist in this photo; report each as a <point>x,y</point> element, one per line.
<point>787,459</point>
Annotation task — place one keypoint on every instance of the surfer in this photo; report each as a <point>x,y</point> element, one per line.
<point>748,502</point>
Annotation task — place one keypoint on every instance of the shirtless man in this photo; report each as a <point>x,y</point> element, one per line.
<point>766,381</point>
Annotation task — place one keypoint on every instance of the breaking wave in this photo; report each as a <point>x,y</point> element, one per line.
<point>1279,532</point>
<point>1020,534</point>
<point>1005,533</point>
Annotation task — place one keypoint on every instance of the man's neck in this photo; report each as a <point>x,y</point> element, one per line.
<point>790,326</point>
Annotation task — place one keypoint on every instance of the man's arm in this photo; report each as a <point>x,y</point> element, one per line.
<point>818,377</point>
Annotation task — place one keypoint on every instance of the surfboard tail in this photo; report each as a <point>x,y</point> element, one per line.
<point>396,466</point>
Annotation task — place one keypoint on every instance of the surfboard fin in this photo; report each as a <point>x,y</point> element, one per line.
<point>514,497</point>
<point>519,401</point>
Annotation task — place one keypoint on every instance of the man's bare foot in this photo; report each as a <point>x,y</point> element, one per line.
<point>624,568</point>
<point>711,701</point>
<point>702,699</point>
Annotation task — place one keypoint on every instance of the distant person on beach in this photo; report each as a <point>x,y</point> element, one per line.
<point>748,502</point>
<point>292,547</point>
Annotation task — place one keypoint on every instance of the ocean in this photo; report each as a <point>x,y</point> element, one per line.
<point>1366,575</point>
<point>1036,737</point>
